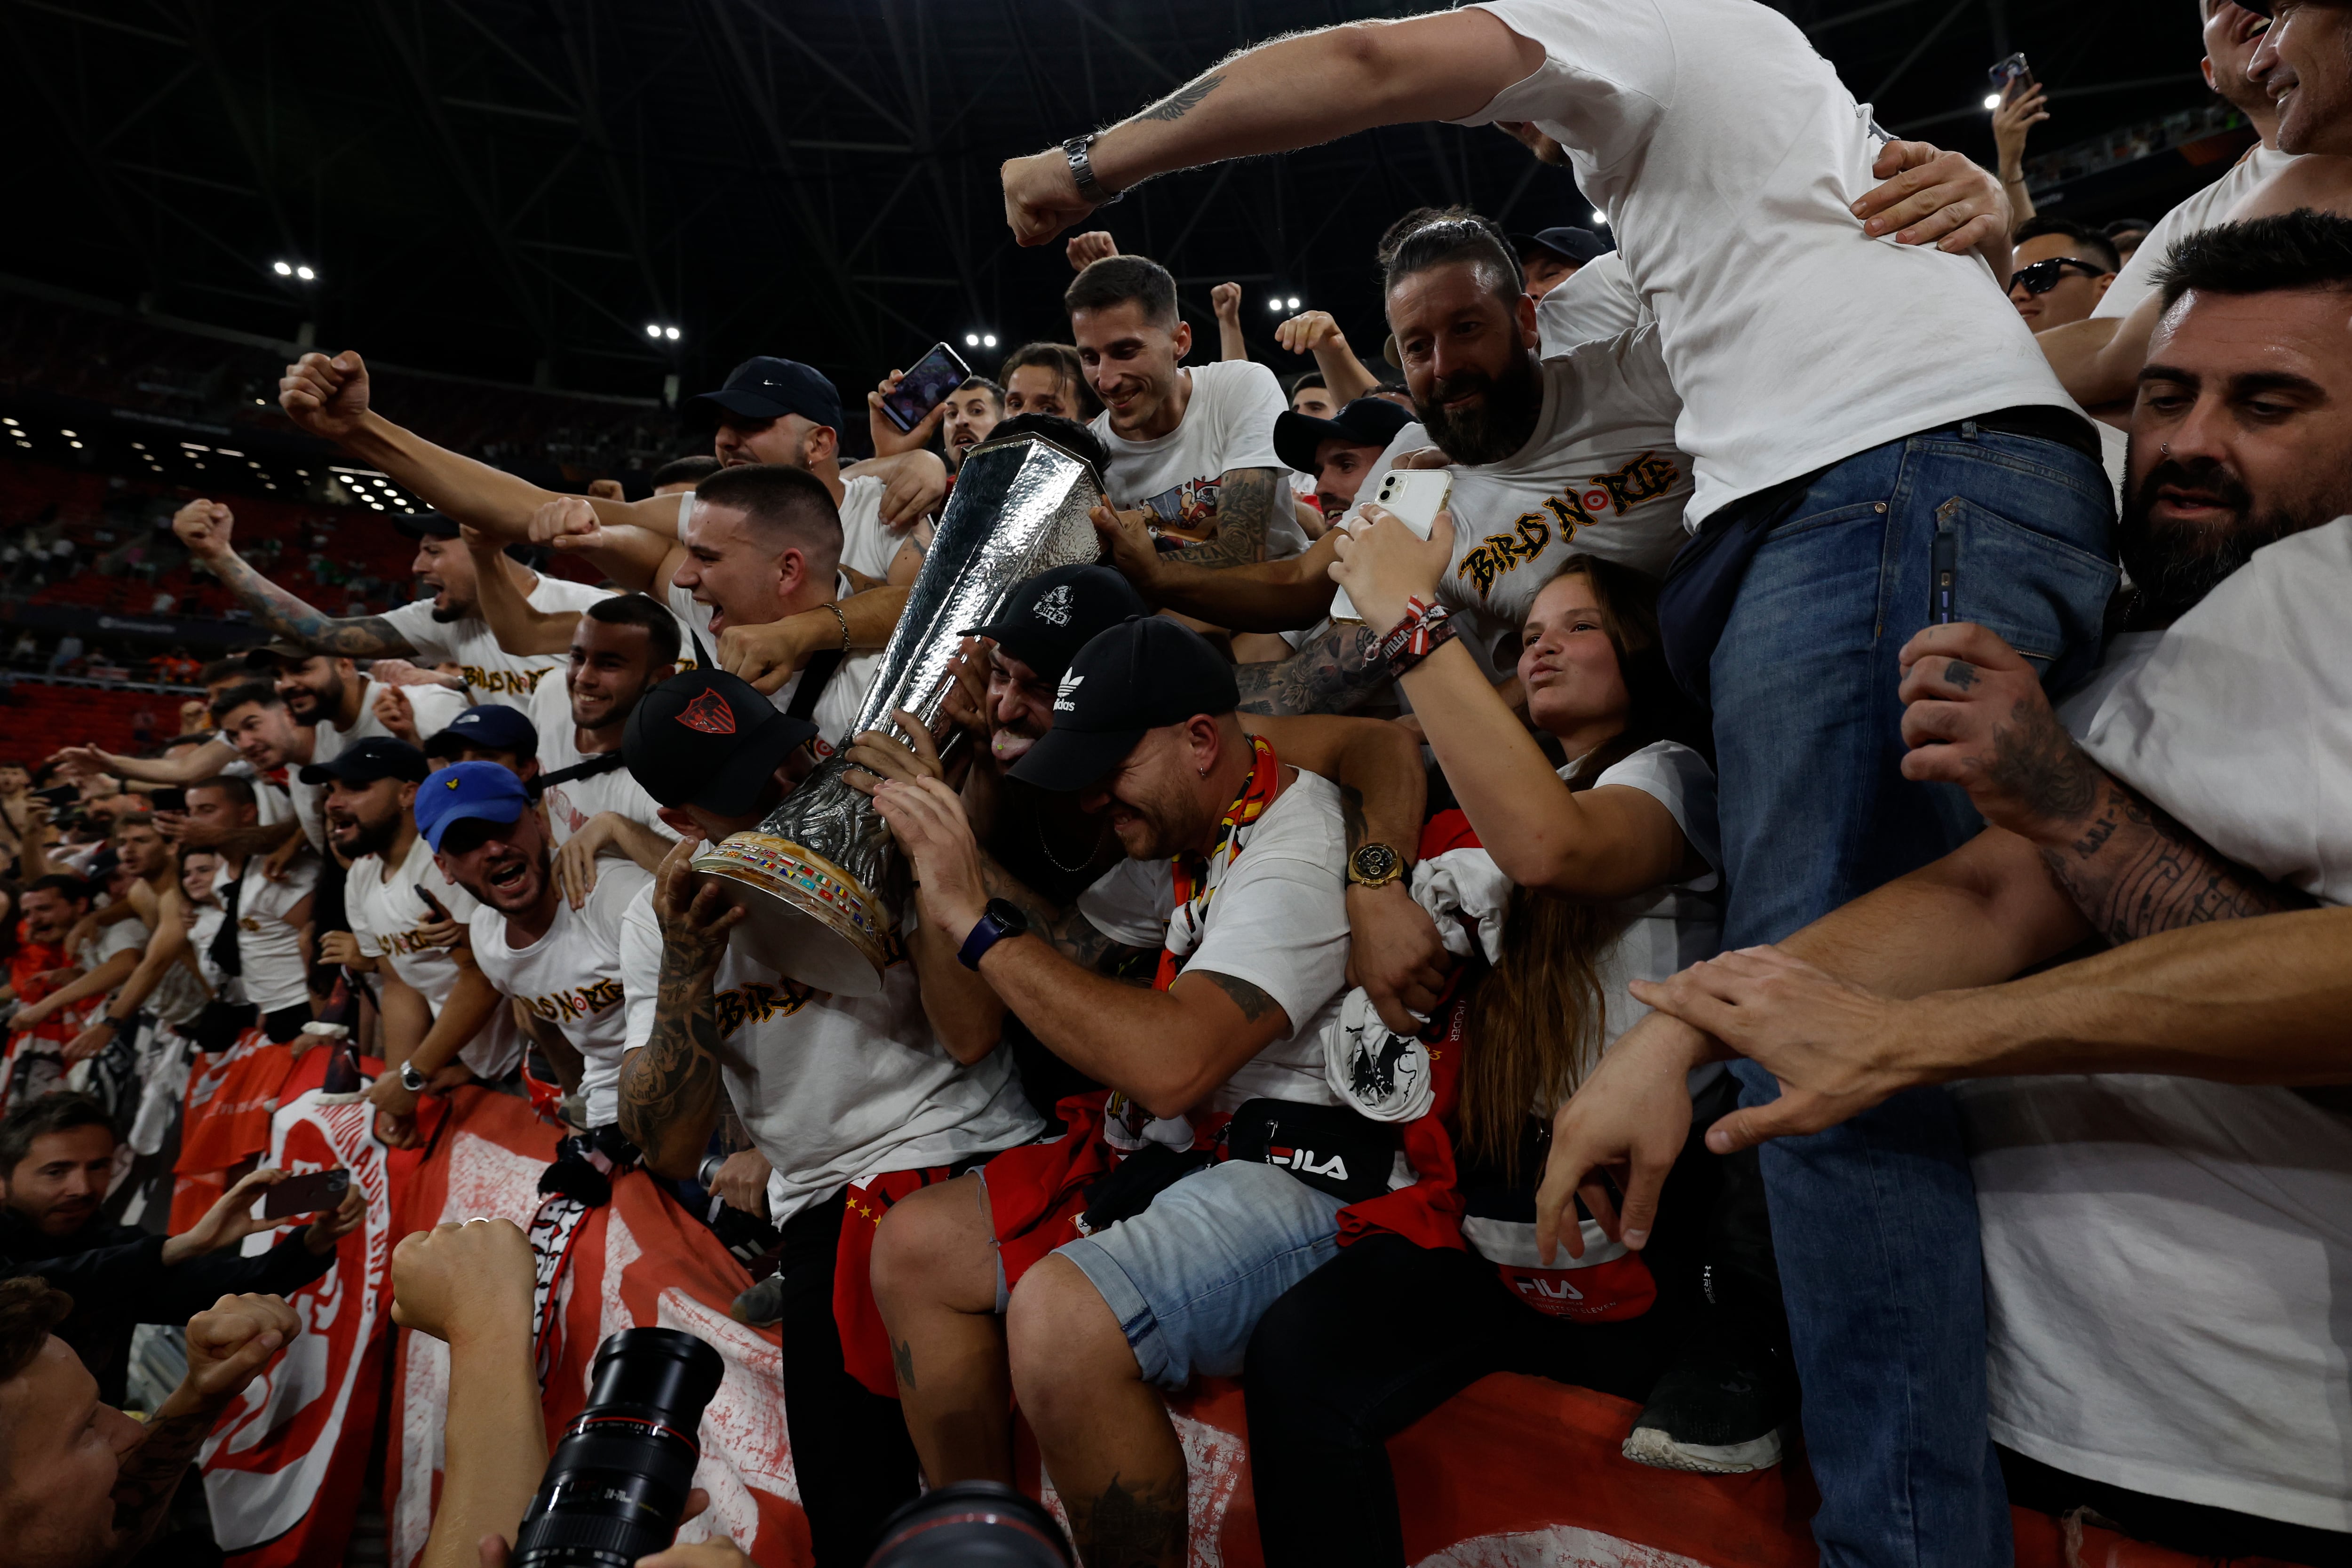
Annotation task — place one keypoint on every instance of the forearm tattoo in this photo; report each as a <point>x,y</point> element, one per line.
<point>1336,673</point>
<point>673,1083</point>
<point>2133,872</point>
<point>1246,499</point>
<point>2036,762</point>
<point>151,1473</point>
<point>1072,934</point>
<point>1184,100</point>
<point>364,636</point>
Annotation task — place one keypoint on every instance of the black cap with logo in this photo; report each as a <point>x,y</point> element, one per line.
<point>364,761</point>
<point>485,727</point>
<point>708,739</point>
<point>769,388</point>
<point>1049,617</point>
<point>1143,673</point>
<point>1365,422</point>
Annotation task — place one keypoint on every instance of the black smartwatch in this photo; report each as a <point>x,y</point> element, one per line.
<point>1001,919</point>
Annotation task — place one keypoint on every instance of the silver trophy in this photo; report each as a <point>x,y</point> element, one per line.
<point>810,879</point>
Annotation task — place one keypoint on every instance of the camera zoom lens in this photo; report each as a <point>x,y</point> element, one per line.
<point>617,1481</point>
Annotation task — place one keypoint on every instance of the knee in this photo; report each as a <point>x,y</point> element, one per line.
<point>929,1246</point>
<point>1066,1345</point>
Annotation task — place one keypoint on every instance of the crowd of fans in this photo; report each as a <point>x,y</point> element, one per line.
<point>1802,895</point>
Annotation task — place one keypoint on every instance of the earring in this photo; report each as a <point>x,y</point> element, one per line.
<point>2165,448</point>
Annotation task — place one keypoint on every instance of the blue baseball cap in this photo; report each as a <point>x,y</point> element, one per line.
<point>484,791</point>
<point>491,726</point>
<point>768,388</point>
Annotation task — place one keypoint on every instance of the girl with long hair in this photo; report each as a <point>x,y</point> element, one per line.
<point>1612,870</point>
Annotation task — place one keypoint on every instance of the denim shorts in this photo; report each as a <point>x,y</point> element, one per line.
<point>1189,1277</point>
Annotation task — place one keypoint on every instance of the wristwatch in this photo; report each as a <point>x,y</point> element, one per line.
<point>1082,171</point>
<point>1001,919</point>
<point>1375,866</point>
<point>411,1080</point>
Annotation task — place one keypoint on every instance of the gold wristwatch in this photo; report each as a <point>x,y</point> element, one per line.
<point>1375,866</point>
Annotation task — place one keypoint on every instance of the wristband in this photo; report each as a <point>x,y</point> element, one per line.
<point>843,619</point>
<point>1423,628</point>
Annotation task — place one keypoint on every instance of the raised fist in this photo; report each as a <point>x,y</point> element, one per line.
<point>326,396</point>
<point>1226,299</point>
<point>1090,248</point>
<point>204,527</point>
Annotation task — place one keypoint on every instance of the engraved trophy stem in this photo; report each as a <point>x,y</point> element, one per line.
<point>810,877</point>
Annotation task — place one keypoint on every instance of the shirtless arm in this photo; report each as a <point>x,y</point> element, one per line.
<point>1333,674</point>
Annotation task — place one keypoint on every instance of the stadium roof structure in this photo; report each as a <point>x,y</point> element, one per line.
<point>539,191</point>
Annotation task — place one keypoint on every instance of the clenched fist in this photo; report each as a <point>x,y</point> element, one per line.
<point>328,397</point>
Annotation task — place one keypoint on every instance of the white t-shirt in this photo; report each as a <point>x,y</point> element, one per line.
<point>1228,424</point>
<point>836,708</point>
<point>181,994</point>
<point>1727,155</point>
<point>268,949</point>
<point>385,911</point>
<point>865,544</point>
<point>494,674</point>
<point>571,977</point>
<point>2165,1258</point>
<point>431,707</point>
<point>833,1089</point>
<point>1597,301</point>
<point>1279,921</point>
<point>1600,475</point>
<point>1670,928</point>
<point>571,804</point>
<point>2209,206</point>
<point>123,936</point>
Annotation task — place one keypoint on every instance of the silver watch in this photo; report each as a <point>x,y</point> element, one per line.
<point>411,1080</point>
<point>1082,171</point>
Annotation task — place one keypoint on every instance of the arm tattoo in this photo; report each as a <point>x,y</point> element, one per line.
<point>1130,1527</point>
<point>2133,870</point>
<point>673,1081</point>
<point>1184,100</point>
<point>1335,673</point>
<point>1072,934</point>
<point>364,636</point>
<point>2036,762</point>
<point>1254,1003</point>
<point>1246,499</point>
<point>151,1474</point>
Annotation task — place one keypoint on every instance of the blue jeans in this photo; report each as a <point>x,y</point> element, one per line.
<point>1874,1222</point>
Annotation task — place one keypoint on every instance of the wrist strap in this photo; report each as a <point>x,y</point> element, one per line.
<point>1414,638</point>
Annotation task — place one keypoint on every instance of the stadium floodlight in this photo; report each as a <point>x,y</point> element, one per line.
<point>67,433</point>
<point>1600,218</point>
<point>305,274</point>
<point>971,340</point>
<point>1292,302</point>
<point>283,268</point>
<point>988,340</point>
<point>651,330</point>
<point>1993,101</point>
<point>1273,304</point>
<point>670,332</point>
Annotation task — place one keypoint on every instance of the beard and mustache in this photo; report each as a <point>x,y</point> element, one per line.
<point>1498,424</point>
<point>2172,565</point>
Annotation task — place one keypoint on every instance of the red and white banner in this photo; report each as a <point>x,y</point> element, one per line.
<point>283,1471</point>
<point>640,1259</point>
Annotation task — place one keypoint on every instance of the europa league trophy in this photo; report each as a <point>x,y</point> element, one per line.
<point>810,878</point>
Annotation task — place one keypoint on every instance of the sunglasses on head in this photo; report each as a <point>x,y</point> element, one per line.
<point>2041,277</point>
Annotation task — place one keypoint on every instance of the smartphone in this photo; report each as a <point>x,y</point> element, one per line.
<point>167,800</point>
<point>2014,68</point>
<point>925,387</point>
<point>1413,497</point>
<point>58,796</point>
<point>311,1193</point>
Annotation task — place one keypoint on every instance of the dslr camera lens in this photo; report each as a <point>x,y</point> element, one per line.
<point>971,1524</point>
<point>616,1483</point>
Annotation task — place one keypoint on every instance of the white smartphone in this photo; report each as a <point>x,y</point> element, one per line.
<point>1414,497</point>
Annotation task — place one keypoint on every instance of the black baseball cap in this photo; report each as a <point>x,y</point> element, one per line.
<point>1049,617</point>
<point>1365,422</point>
<point>1572,244</point>
<point>367,760</point>
<point>769,388</point>
<point>709,739</point>
<point>426,525</point>
<point>491,726</point>
<point>270,655</point>
<point>1143,673</point>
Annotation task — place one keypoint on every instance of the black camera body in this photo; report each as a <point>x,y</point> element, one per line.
<point>616,1484</point>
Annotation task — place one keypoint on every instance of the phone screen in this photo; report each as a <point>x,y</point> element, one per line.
<point>925,387</point>
<point>310,1193</point>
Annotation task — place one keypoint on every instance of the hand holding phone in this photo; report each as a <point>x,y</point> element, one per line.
<point>925,387</point>
<point>311,1194</point>
<point>1413,497</point>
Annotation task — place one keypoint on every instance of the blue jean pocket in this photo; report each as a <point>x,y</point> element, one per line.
<point>2041,595</point>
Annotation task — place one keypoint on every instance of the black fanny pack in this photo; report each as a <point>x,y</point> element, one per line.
<point>1328,1147</point>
